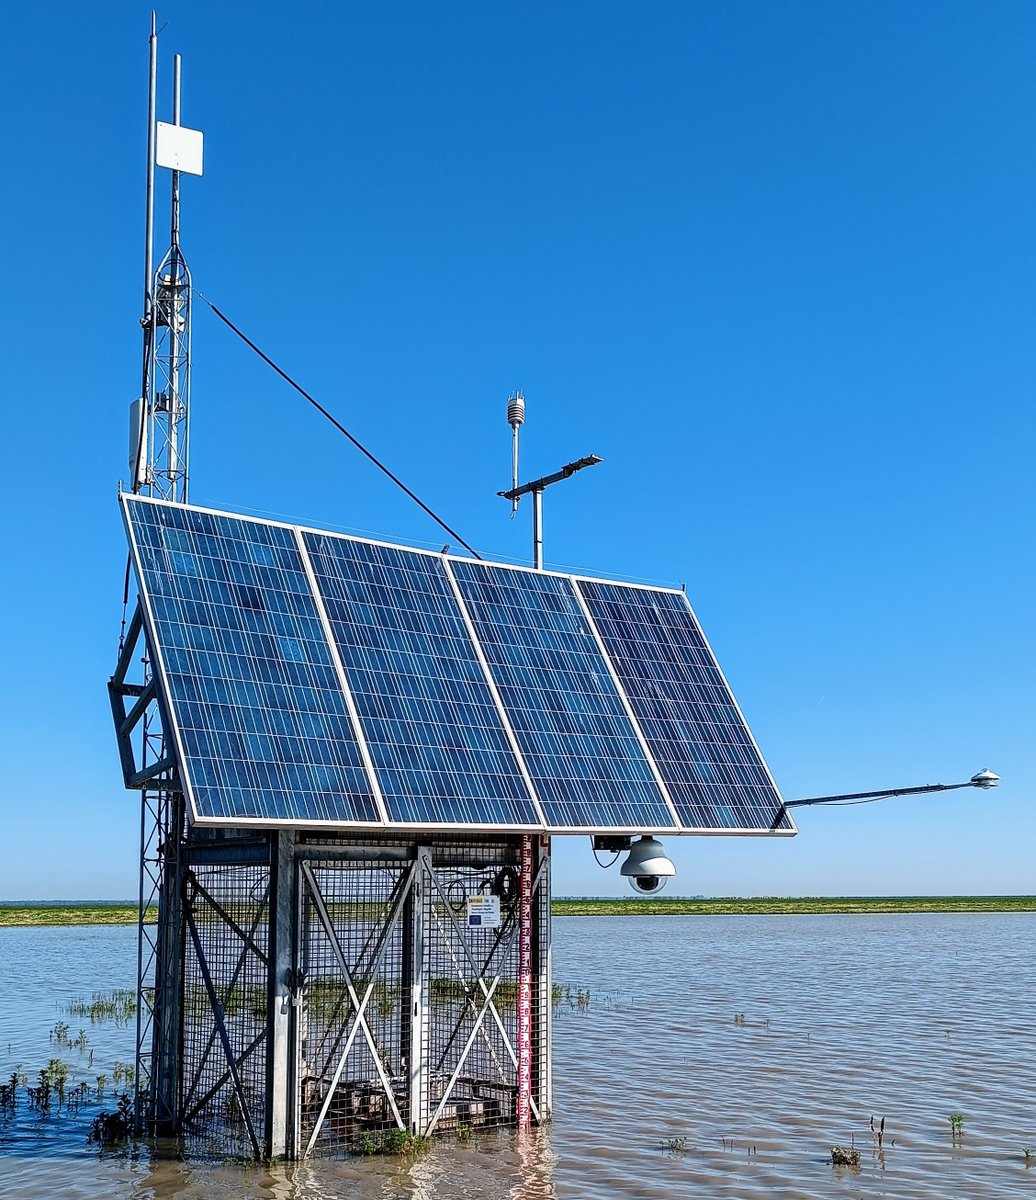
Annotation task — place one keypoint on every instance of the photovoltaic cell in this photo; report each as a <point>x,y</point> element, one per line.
<point>248,674</point>
<point>428,717</point>
<point>580,748</point>
<point>695,733</point>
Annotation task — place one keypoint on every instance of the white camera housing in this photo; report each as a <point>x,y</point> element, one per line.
<point>647,867</point>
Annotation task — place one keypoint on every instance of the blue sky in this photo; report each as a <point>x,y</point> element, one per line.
<point>774,263</point>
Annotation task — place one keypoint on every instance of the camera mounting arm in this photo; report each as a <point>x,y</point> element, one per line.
<point>984,779</point>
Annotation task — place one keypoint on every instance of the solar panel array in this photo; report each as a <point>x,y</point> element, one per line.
<point>316,679</point>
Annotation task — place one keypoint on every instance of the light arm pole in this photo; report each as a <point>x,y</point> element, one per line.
<point>983,780</point>
<point>537,488</point>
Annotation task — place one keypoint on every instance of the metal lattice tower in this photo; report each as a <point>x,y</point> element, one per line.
<point>159,444</point>
<point>161,418</point>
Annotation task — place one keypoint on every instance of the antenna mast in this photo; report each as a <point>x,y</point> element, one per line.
<point>160,419</point>
<point>159,432</point>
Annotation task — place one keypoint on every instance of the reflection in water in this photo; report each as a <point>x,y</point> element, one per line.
<point>755,1045</point>
<point>536,1162</point>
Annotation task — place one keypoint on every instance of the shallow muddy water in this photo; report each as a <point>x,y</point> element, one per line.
<point>718,1057</point>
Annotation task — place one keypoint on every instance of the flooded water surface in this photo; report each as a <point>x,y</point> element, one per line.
<point>716,1057</point>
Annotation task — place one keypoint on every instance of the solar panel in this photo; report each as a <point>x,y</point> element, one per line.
<point>706,756</point>
<point>581,749</point>
<point>435,735</point>
<point>255,703</point>
<point>311,678</point>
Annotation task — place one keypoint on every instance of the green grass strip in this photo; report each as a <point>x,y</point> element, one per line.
<point>780,905</point>
<point>32,915</point>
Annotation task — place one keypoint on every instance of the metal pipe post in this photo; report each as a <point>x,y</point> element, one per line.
<point>537,529</point>
<point>514,466</point>
<point>174,237</point>
<point>173,302</point>
<point>149,216</point>
<point>416,989</point>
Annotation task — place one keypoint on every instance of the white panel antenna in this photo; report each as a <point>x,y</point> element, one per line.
<point>178,148</point>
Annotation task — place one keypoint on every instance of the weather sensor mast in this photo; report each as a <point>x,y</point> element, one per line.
<point>516,418</point>
<point>160,417</point>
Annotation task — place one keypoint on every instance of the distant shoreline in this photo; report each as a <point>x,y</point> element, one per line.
<point>788,906</point>
<point>38,914</point>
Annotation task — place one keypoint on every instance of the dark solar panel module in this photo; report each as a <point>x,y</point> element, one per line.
<point>255,702</point>
<point>581,749</point>
<point>435,735</point>
<point>316,679</point>
<point>697,737</point>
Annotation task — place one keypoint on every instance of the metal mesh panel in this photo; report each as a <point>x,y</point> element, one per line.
<point>436,1049</point>
<point>398,993</point>
<point>471,1024</point>
<point>225,1006</point>
<point>352,1076</point>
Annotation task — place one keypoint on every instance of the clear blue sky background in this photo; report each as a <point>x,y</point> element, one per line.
<point>773,262</point>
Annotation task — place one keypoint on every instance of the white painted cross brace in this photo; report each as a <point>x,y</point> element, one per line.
<point>487,1005</point>
<point>486,992</point>
<point>358,1005</point>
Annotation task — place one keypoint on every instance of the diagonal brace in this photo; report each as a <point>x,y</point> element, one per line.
<point>217,1012</point>
<point>360,1006</point>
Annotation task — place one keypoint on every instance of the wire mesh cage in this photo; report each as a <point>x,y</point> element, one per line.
<point>343,996</point>
<point>352,1018</point>
<point>409,1017</point>
<point>225,1006</point>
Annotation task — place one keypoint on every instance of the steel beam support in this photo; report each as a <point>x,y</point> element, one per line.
<point>127,759</point>
<point>128,647</point>
<point>167,1022</point>
<point>282,1047</point>
<point>238,852</point>
<point>149,775</point>
<point>119,689</point>
<point>414,964</point>
<point>146,696</point>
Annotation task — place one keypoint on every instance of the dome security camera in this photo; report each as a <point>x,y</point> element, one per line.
<point>647,867</point>
<point>647,883</point>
